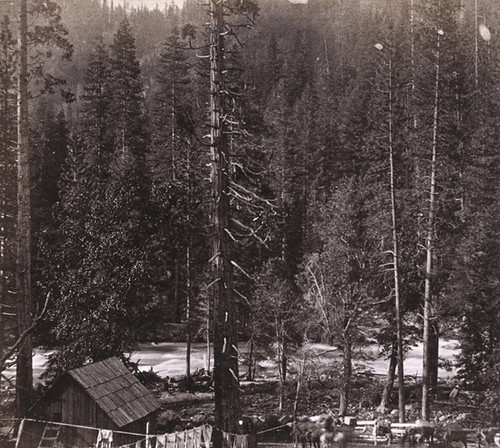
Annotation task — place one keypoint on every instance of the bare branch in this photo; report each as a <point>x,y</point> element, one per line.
<point>236,265</point>
<point>24,335</point>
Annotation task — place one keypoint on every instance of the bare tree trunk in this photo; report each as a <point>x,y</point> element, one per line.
<point>24,371</point>
<point>297,396</point>
<point>250,361</point>
<point>188,268</point>
<point>284,361</point>
<point>391,374</point>
<point>279,357</point>
<point>434,359</point>
<point>2,329</point>
<point>226,381</point>
<point>188,309</point>
<point>208,364</point>
<point>177,302</point>
<point>345,390</point>
<point>429,250</point>
<point>476,46</point>
<point>395,258</point>
<point>412,57</point>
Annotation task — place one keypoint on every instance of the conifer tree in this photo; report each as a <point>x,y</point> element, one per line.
<point>441,86</point>
<point>176,167</point>
<point>7,182</point>
<point>222,126</point>
<point>34,46</point>
<point>126,119</point>
<point>104,223</point>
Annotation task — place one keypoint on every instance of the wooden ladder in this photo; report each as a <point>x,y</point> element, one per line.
<point>50,435</point>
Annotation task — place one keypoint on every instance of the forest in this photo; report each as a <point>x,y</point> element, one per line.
<point>358,181</point>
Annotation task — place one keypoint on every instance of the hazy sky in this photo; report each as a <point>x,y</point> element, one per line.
<point>148,3</point>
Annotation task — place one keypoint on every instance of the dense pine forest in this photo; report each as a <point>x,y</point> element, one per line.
<point>360,180</point>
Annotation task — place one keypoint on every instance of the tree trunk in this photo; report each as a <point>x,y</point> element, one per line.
<point>2,336</point>
<point>282,368</point>
<point>395,258</point>
<point>476,47</point>
<point>297,396</point>
<point>434,360</point>
<point>177,302</point>
<point>226,382</point>
<point>346,377</point>
<point>250,361</point>
<point>188,267</point>
<point>284,362</point>
<point>391,374</point>
<point>188,309</point>
<point>24,370</point>
<point>429,250</point>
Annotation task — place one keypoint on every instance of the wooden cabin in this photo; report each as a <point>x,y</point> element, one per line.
<point>102,395</point>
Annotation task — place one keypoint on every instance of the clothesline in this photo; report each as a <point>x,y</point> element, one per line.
<point>190,438</point>
<point>134,433</point>
<point>198,437</point>
<point>82,427</point>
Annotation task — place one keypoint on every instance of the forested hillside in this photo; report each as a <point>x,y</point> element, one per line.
<point>363,140</point>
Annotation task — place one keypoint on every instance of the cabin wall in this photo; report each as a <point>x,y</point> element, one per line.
<point>70,403</point>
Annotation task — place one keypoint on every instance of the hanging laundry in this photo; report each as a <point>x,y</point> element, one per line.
<point>189,438</point>
<point>104,438</point>
<point>138,444</point>
<point>228,439</point>
<point>241,441</point>
<point>181,439</point>
<point>197,432</point>
<point>171,440</point>
<point>207,435</point>
<point>161,441</point>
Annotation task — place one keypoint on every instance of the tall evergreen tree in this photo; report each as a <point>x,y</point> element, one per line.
<point>7,182</point>
<point>34,46</point>
<point>107,290</point>
<point>222,127</point>
<point>177,169</point>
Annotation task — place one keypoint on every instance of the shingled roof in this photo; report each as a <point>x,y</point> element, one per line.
<point>116,391</point>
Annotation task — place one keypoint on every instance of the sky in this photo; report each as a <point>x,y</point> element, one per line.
<point>148,3</point>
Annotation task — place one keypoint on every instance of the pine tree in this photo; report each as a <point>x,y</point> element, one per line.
<point>7,183</point>
<point>226,378</point>
<point>444,82</point>
<point>176,166</point>
<point>104,220</point>
<point>126,119</point>
<point>95,106</point>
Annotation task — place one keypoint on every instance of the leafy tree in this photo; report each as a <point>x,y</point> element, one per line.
<point>336,279</point>
<point>278,316</point>
<point>104,225</point>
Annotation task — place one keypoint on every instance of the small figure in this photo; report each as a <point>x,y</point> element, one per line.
<point>454,392</point>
